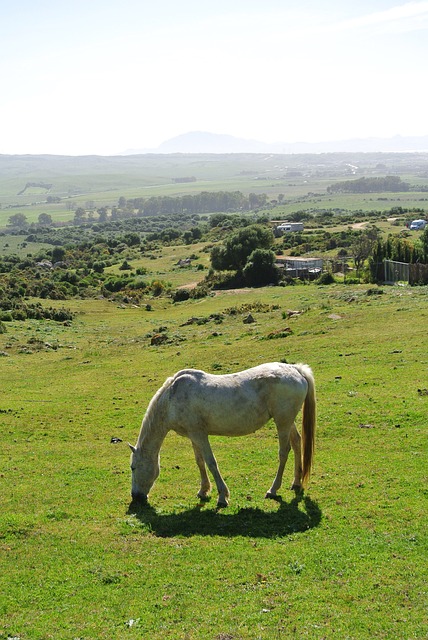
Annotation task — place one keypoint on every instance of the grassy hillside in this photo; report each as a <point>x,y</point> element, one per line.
<point>345,560</point>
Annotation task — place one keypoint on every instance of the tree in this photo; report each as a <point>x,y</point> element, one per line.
<point>18,221</point>
<point>58,254</point>
<point>424,243</point>
<point>260,269</point>
<point>79,216</point>
<point>45,219</point>
<point>362,247</point>
<point>257,200</point>
<point>237,249</point>
<point>102,214</point>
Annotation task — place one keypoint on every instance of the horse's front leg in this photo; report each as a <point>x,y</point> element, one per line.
<point>284,450</point>
<point>205,481</point>
<point>202,443</point>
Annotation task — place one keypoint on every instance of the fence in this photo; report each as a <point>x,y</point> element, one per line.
<point>394,272</point>
<point>418,273</point>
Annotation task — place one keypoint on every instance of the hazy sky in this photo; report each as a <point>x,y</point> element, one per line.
<point>92,76</point>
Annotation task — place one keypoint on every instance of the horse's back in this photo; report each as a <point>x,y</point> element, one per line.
<point>237,403</point>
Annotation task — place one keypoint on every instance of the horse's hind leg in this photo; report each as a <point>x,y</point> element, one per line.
<point>284,450</point>
<point>295,440</point>
<point>205,481</point>
<point>202,444</point>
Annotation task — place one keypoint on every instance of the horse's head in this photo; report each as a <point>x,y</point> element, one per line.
<point>145,470</point>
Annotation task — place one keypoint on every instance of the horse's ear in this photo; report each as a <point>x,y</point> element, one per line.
<point>133,449</point>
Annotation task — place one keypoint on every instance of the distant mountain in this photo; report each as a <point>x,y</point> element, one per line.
<point>204,142</point>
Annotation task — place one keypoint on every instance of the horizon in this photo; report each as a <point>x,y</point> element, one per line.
<point>108,77</point>
<point>190,143</point>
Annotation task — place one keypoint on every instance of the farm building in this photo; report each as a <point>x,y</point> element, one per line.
<point>308,268</point>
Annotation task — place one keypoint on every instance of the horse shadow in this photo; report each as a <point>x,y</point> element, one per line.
<point>298,515</point>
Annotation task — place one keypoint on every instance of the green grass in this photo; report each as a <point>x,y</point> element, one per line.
<point>18,245</point>
<point>162,264</point>
<point>345,560</point>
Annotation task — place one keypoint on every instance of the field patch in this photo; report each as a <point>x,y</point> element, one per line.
<point>344,559</point>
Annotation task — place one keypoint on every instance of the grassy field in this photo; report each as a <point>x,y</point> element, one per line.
<point>101,181</point>
<point>347,559</point>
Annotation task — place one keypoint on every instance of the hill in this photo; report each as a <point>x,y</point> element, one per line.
<point>205,142</point>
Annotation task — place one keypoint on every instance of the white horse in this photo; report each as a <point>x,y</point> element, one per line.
<point>196,404</point>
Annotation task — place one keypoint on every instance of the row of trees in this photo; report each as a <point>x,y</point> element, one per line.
<point>191,205</point>
<point>204,202</point>
<point>370,185</point>
<point>401,250</point>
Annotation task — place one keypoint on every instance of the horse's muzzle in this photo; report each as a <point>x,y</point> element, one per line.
<point>140,498</point>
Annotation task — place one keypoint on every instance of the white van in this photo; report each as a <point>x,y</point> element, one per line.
<point>417,225</point>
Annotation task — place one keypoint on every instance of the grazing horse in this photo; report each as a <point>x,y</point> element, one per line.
<point>196,404</point>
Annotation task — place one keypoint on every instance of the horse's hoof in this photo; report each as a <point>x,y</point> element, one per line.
<point>273,496</point>
<point>204,498</point>
<point>222,504</point>
<point>296,487</point>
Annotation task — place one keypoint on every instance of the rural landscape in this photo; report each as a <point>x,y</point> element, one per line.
<point>117,272</point>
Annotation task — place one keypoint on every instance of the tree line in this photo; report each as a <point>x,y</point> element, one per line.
<point>204,202</point>
<point>370,185</point>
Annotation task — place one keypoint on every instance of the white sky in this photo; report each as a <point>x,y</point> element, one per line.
<point>104,76</point>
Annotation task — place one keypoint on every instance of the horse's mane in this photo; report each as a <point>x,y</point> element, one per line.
<point>154,410</point>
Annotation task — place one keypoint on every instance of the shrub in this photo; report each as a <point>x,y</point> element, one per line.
<point>180,295</point>
<point>326,278</point>
<point>225,280</point>
<point>260,268</point>
<point>200,291</point>
<point>138,283</point>
<point>157,287</point>
<point>60,315</point>
<point>114,284</point>
<point>352,281</point>
<point>99,266</point>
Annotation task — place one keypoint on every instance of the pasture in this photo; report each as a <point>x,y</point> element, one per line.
<point>345,559</point>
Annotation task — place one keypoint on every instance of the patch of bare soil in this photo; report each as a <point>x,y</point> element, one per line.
<point>232,291</point>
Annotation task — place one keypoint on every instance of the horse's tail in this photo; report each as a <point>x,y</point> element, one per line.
<point>308,422</point>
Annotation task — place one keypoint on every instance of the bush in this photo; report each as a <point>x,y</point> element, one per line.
<point>239,247</point>
<point>260,268</point>
<point>202,290</point>
<point>114,284</point>
<point>180,295</point>
<point>138,283</point>
<point>352,281</point>
<point>225,280</point>
<point>157,287</point>
<point>99,266</point>
<point>326,278</point>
